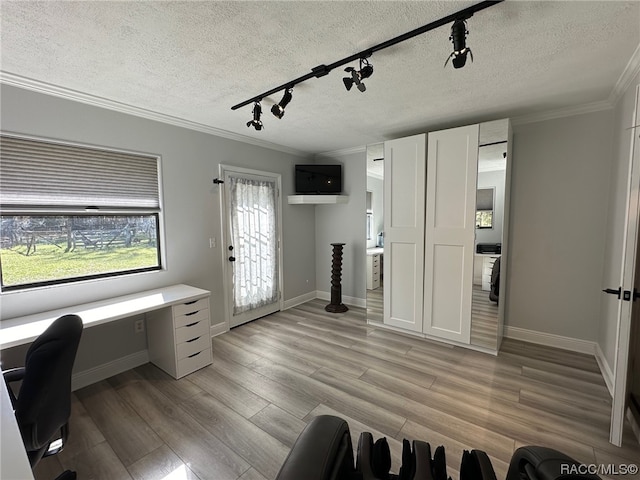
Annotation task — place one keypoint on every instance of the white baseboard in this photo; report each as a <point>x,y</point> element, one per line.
<point>354,301</point>
<point>99,373</point>
<point>605,369</point>
<point>550,340</point>
<point>219,329</point>
<point>299,300</point>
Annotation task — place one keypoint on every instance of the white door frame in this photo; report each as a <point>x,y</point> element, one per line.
<point>226,233</point>
<point>625,308</point>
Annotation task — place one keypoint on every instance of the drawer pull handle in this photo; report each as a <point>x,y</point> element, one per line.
<point>191,302</point>
<point>192,313</point>
<point>193,340</point>
<point>195,355</point>
<point>192,324</point>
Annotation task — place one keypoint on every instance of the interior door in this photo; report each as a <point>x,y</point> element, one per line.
<point>630,279</point>
<point>403,266</point>
<point>252,232</point>
<point>634,363</point>
<point>452,171</point>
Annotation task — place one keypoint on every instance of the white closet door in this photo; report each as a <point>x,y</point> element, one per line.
<point>404,187</point>
<point>452,170</point>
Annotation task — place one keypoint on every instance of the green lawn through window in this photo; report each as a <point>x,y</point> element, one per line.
<point>50,262</point>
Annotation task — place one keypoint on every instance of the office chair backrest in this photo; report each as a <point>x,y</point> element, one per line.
<point>44,403</point>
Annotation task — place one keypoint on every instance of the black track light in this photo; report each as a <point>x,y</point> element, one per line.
<point>278,109</point>
<point>366,70</point>
<point>459,38</point>
<point>256,122</point>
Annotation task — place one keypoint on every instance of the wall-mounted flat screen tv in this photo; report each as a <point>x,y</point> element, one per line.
<point>318,179</point>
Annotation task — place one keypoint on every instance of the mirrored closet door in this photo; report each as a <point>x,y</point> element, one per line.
<point>374,231</point>
<point>437,268</point>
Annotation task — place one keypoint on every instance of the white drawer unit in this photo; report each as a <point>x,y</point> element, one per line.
<point>487,268</point>
<point>373,271</point>
<point>179,337</point>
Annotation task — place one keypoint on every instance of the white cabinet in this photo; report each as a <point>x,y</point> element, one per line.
<point>452,167</point>
<point>404,214</point>
<point>430,266</point>
<point>179,337</point>
<point>373,271</point>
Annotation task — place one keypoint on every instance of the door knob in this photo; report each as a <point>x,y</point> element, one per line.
<point>232,259</point>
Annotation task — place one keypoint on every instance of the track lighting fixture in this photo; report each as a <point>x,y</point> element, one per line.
<point>278,108</point>
<point>458,59</point>
<point>366,70</point>
<point>256,122</point>
<point>459,38</point>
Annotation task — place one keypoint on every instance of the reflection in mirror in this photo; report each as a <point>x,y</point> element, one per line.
<point>375,234</point>
<point>484,207</point>
<point>492,163</point>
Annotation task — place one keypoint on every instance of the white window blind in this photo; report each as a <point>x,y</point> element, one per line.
<point>484,199</point>
<point>46,174</point>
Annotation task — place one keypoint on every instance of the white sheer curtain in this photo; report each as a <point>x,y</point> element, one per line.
<point>253,230</point>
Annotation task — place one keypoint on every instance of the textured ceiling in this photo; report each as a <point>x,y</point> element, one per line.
<point>194,60</point>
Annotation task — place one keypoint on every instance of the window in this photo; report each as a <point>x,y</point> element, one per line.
<point>484,208</point>
<point>70,213</point>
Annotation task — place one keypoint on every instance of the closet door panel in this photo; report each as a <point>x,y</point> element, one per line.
<point>404,190</point>
<point>447,306</point>
<point>452,169</point>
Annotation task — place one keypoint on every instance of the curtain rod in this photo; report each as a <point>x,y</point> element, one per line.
<point>322,70</point>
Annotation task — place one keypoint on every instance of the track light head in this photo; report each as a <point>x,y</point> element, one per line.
<point>460,50</point>
<point>366,70</point>
<point>256,122</point>
<point>278,108</point>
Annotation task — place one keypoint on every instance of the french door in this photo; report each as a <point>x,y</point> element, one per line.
<point>251,250</point>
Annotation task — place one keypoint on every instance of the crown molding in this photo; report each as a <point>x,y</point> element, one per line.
<point>14,80</point>
<point>343,152</point>
<point>562,112</point>
<point>629,73</point>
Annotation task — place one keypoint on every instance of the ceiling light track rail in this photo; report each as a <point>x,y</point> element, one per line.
<point>322,70</point>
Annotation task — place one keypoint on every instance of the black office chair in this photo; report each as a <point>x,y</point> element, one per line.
<point>43,404</point>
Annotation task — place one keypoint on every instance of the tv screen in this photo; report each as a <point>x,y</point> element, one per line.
<point>319,179</point>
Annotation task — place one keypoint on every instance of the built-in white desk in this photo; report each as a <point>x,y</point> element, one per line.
<point>178,334</point>
<point>23,330</point>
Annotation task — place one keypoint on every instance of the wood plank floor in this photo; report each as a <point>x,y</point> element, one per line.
<point>238,418</point>
<point>484,320</point>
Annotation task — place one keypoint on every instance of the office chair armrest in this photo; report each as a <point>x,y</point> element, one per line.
<point>10,376</point>
<point>322,451</point>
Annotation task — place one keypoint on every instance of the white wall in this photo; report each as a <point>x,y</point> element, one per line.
<point>191,207</point>
<point>345,223</point>
<point>622,120</point>
<point>559,198</point>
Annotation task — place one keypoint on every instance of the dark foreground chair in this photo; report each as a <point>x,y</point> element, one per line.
<point>43,404</point>
<point>323,451</point>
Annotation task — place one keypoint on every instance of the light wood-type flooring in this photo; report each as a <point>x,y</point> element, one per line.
<point>484,320</point>
<point>238,418</point>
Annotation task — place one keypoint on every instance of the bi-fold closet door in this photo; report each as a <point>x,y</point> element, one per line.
<point>430,195</point>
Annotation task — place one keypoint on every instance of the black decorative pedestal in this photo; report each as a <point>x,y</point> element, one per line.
<point>336,305</point>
